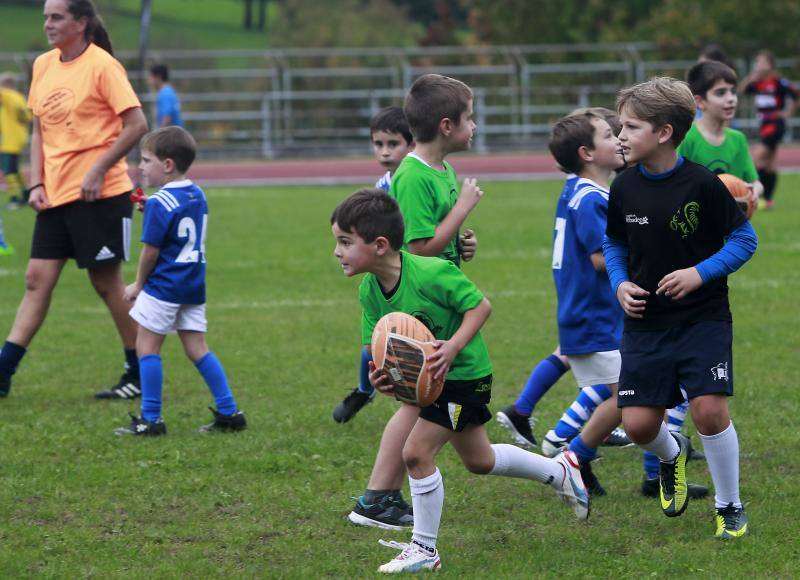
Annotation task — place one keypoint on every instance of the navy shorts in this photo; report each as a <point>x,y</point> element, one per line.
<point>656,363</point>
<point>95,234</point>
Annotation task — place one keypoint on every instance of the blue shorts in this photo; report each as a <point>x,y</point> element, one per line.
<point>656,363</point>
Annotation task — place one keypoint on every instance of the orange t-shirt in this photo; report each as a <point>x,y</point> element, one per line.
<point>78,104</point>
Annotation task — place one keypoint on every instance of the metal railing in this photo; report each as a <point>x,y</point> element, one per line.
<point>279,103</point>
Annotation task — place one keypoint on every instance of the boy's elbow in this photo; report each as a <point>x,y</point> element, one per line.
<point>487,307</point>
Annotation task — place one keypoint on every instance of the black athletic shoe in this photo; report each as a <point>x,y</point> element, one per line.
<point>593,487</point>
<point>235,422</point>
<point>695,490</point>
<point>694,454</point>
<point>618,438</point>
<point>390,513</point>
<point>731,522</point>
<point>5,386</point>
<point>518,425</point>
<point>351,405</point>
<point>128,387</point>
<point>142,427</point>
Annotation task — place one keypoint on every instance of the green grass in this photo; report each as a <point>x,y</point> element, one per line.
<point>76,501</point>
<point>181,24</point>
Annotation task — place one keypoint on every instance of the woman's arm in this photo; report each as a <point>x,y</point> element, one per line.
<point>134,125</point>
<point>38,195</point>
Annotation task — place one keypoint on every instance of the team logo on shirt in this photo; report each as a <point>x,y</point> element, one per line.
<point>686,219</point>
<point>426,320</point>
<point>720,372</point>
<point>632,218</point>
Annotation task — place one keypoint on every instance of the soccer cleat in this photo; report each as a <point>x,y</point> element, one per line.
<point>673,489</point>
<point>731,522</point>
<point>351,405</point>
<point>412,558</point>
<point>618,438</point>
<point>235,422</point>
<point>141,427</point>
<point>572,490</point>
<point>127,388</point>
<point>6,250</point>
<point>694,454</point>
<point>593,487</point>
<point>552,444</point>
<point>390,513</point>
<point>650,488</point>
<point>5,386</point>
<point>520,426</point>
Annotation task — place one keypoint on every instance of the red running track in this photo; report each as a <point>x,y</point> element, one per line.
<point>366,170</point>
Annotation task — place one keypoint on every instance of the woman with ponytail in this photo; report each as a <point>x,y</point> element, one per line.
<point>86,120</point>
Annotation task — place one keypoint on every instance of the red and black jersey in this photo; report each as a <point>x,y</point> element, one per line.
<point>770,95</point>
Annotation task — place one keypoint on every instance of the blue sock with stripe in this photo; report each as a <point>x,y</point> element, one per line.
<point>151,376</point>
<point>584,452</point>
<point>544,376</point>
<point>214,376</point>
<point>576,415</point>
<point>363,373</point>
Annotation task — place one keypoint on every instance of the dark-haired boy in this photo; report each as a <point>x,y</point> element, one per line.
<point>391,142</point>
<point>368,228</point>
<point>168,105</point>
<point>674,234</point>
<point>169,291</point>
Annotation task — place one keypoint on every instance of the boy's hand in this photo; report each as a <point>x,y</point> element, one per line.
<point>680,283</point>
<point>631,298</point>
<point>468,246</point>
<point>379,379</point>
<point>139,198</point>
<point>441,360</point>
<point>131,292</point>
<point>470,194</point>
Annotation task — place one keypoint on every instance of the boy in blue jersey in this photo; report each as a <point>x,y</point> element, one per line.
<point>391,142</point>
<point>674,234</point>
<point>368,228</point>
<point>170,290</point>
<point>518,417</point>
<point>168,106</point>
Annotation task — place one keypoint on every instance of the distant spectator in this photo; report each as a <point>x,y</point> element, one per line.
<point>15,119</point>
<point>168,106</point>
<point>715,52</point>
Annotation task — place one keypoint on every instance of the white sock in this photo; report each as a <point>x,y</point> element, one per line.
<point>722,456</point>
<point>512,461</point>
<point>664,445</point>
<point>427,498</point>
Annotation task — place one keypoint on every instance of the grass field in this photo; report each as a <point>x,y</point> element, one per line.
<point>76,501</point>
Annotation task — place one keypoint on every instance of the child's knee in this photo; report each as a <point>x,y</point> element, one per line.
<point>479,465</point>
<point>710,415</point>
<point>641,432</point>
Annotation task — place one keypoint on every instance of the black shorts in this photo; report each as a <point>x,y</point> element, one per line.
<point>9,163</point>
<point>95,234</point>
<point>656,363</point>
<point>471,410</point>
<point>771,132</point>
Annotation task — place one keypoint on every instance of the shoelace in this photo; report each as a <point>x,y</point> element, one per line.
<point>730,515</point>
<point>667,478</point>
<point>619,432</point>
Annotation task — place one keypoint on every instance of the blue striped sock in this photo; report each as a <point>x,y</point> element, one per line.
<point>151,375</point>
<point>544,376</point>
<point>214,376</point>
<point>576,415</point>
<point>585,453</point>
<point>363,372</point>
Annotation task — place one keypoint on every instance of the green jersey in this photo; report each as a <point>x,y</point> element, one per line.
<point>732,156</point>
<point>425,196</point>
<point>438,294</point>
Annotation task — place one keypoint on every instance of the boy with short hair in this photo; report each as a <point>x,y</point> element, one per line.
<point>674,234</point>
<point>168,106</point>
<point>391,142</point>
<point>369,232</point>
<point>169,290</point>
<point>439,113</point>
<point>710,141</point>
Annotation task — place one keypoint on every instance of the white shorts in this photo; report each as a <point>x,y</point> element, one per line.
<point>596,368</point>
<point>166,317</point>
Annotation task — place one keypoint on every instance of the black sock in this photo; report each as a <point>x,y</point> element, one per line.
<point>768,180</point>
<point>131,362</point>
<point>10,355</point>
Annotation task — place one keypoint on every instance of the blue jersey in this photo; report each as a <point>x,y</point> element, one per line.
<point>385,182</point>
<point>167,104</point>
<point>589,316</point>
<point>175,219</point>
